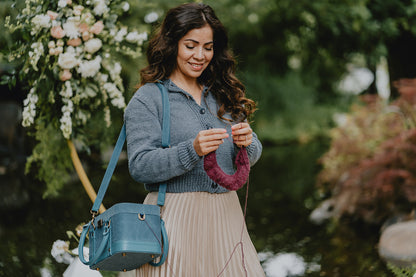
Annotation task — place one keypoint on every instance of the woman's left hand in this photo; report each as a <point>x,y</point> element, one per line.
<point>242,134</point>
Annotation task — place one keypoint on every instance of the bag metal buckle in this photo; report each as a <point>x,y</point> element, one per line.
<point>94,214</point>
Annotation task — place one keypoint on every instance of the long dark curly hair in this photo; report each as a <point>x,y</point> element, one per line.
<point>219,76</point>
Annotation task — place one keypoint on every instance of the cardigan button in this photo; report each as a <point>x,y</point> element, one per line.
<point>202,111</point>
<point>214,185</point>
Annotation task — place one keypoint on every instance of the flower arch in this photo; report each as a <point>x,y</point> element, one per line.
<point>67,55</point>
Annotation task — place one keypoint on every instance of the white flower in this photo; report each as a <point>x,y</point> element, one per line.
<point>90,68</point>
<point>78,10</point>
<point>116,69</point>
<point>126,6</point>
<point>42,21</point>
<point>115,94</point>
<point>88,18</point>
<point>285,264</point>
<point>100,7</point>
<point>103,78</point>
<point>136,37</point>
<point>112,90</point>
<point>56,23</point>
<point>113,32</point>
<point>93,45</point>
<point>71,28</point>
<point>66,90</point>
<point>29,113</point>
<point>151,17</point>
<point>89,92</point>
<point>62,3</point>
<point>59,50</point>
<point>119,103</point>
<point>35,54</point>
<point>83,117</point>
<point>59,252</point>
<point>67,60</point>
<point>66,120</point>
<point>66,128</point>
<point>120,34</point>
<point>68,108</point>
<point>60,42</point>
<point>44,272</point>
<point>107,116</point>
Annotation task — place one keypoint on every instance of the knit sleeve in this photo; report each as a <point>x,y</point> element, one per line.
<point>148,161</point>
<point>254,150</point>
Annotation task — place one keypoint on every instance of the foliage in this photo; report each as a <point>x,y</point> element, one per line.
<point>287,108</point>
<point>370,168</point>
<point>402,272</point>
<point>49,162</point>
<point>321,37</point>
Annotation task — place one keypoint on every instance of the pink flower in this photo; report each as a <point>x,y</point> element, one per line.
<point>83,27</point>
<point>97,27</point>
<point>86,36</point>
<point>57,32</point>
<point>65,75</point>
<point>52,15</point>
<point>74,42</point>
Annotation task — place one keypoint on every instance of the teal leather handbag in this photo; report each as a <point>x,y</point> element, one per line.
<point>127,235</point>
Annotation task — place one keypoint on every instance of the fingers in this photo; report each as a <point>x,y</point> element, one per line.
<point>209,140</point>
<point>242,134</point>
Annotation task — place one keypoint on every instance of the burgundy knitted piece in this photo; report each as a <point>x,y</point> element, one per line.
<point>230,182</point>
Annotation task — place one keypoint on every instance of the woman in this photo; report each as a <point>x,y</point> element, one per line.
<point>209,112</point>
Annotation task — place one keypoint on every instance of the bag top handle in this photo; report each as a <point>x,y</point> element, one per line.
<point>119,147</point>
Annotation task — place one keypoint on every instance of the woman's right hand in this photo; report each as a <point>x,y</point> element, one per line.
<point>209,140</point>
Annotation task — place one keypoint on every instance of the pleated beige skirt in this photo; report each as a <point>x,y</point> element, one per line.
<point>207,238</point>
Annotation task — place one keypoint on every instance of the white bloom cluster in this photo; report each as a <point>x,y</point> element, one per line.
<point>72,41</point>
<point>93,45</point>
<point>100,7</point>
<point>135,37</point>
<point>60,252</point>
<point>151,17</point>
<point>71,28</point>
<point>126,6</point>
<point>67,60</point>
<point>29,110</point>
<point>66,91</point>
<point>114,70</point>
<point>89,68</point>
<point>115,94</point>
<point>40,21</point>
<point>120,34</point>
<point>62,3</point>
<point>67,109</point>
<point>66,121</point>
<point>36,54</point>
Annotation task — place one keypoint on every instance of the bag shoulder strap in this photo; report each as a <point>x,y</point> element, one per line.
<point>119,147</point>
<point>165,136</point>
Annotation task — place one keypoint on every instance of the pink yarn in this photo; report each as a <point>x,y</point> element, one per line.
<point>230,182</point>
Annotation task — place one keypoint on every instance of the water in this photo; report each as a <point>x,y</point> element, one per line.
<point>281,196</point>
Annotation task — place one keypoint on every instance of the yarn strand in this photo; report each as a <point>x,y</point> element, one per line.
<point>240,243</point>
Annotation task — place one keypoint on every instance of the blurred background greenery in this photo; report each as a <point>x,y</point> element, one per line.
<point>291,56</point>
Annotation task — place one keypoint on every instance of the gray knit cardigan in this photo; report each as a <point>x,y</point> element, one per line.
<point>179,166</point>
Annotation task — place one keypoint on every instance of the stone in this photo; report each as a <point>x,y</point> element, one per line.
<point>397,244</point>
